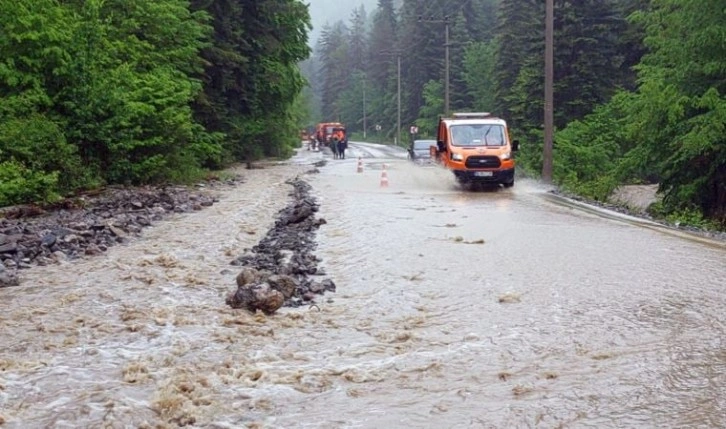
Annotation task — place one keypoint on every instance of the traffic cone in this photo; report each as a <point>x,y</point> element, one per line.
<point>360,165</point>
<point>384,177</point>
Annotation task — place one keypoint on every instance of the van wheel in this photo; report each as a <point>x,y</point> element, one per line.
<point>508,184</point>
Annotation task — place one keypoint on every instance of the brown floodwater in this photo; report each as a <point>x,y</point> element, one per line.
<point>455,308</point>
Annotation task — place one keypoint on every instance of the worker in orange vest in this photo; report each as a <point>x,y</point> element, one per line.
<point>342,143</point>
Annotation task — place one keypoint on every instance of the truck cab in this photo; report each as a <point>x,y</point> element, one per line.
<point>476,147</point>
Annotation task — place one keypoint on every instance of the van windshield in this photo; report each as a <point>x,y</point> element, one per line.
<point>477,135</point>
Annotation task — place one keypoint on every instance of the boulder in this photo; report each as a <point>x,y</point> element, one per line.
<point>287,285</point>
<point>253,297</point>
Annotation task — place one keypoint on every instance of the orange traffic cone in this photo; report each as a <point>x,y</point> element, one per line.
<point>384,177</point>
<point>360,165</point>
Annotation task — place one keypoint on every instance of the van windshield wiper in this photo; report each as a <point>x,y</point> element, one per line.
<point>486,143</point>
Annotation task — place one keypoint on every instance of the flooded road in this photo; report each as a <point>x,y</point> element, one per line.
<point>455,309</point>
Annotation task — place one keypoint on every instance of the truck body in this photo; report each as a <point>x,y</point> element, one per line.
<point>324,131</point>
<point>476,147</point>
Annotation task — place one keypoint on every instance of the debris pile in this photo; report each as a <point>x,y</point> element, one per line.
<point>88,225</point>
<point>281,268</point>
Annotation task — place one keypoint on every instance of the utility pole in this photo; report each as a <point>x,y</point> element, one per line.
<point>549,93</point>
<point>446,74</point>
<point>365,118</point>
<point>444,21</point>
<point>398,121</point>
<point>398,80</point>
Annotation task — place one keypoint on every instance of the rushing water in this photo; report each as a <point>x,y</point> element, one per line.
<point>454,309</point>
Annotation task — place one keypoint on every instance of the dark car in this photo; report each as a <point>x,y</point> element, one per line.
<point>419,152</point>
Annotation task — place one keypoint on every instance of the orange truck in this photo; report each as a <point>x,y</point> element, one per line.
<point>476,148</point>
<point>324,131</point>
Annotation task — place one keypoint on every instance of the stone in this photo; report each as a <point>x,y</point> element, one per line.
<point>248,276</point>
<point>8,278</point>
<point>287,285</point>
<point>93,250</point>
<point>48,240</point>
<point>329,285</point>
<point>118,232</point>
<point>286,254</point>
<point>253,297</point>
<point>9,248</point>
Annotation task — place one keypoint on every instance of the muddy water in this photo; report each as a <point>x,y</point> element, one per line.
<point>454,309</point>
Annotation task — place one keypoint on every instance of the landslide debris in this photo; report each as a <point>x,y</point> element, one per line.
<point>89,225</point>
<point>282,269</point>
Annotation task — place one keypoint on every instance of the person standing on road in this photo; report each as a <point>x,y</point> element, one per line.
<point>334,145</point>
<point>342,143</point>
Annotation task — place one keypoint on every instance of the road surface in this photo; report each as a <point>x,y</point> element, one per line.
<point>501,308</point>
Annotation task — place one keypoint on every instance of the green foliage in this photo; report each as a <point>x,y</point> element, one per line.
<point>19,184</point>
<point>433,94</point>
<point>688,216</point>
<point>131,118</point>
<point>33,50</point>
<point>479,62</point>
<point>350,102</point>
<point>38,144</point>
<point>588,152</point>
<point>381,66</point>
<point>141,91</point>
<point>680,109</point>
<point>460,97</point>
<point>251,78</point>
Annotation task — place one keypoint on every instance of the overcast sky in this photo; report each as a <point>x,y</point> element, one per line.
<point>330,11</point>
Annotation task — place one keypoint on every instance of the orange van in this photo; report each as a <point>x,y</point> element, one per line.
<point>476,148</point>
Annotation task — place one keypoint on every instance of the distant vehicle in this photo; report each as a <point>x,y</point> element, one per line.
<point>476,148</point>
<point>420,151</point>
<point>324,132</point>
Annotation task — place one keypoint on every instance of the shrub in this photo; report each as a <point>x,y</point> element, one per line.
<point>19,184</point>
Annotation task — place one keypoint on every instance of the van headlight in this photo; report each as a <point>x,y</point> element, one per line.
<point>505,156</point>
<point>457,157</point>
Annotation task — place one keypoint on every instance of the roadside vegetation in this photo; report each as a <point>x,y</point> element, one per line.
<point>640,87</point>
<point>136,91</point>
<point>97,92</point>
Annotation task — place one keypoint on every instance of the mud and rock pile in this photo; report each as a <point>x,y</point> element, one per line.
<point>87,226</point>
<point>282,269</point>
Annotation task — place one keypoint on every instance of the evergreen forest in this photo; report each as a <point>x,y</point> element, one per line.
<point>100,92</point>
<point>639,87</point>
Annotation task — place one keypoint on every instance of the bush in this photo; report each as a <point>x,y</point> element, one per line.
<point>587,153</point>
<point>684,216</point>
<point>19,185</point>
<point>38,144</point>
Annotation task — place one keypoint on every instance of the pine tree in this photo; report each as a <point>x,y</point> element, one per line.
<point>478,73</point>
<point>252,77</point>
<point>681,104</point>
<point>481,19</point>
<point>459,40</point>
<point>423,52</point>
<point>382,68</point>
<point>333,53</point>
<point>519,39</point>
<point>358,41</point>
<point>588,61</point>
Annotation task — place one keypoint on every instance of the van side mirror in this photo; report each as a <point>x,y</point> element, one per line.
<point>515,145</point>
<point>441,146</point>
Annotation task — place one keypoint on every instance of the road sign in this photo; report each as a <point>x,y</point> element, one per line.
<point>414,129</point>
<point>378,127</point>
